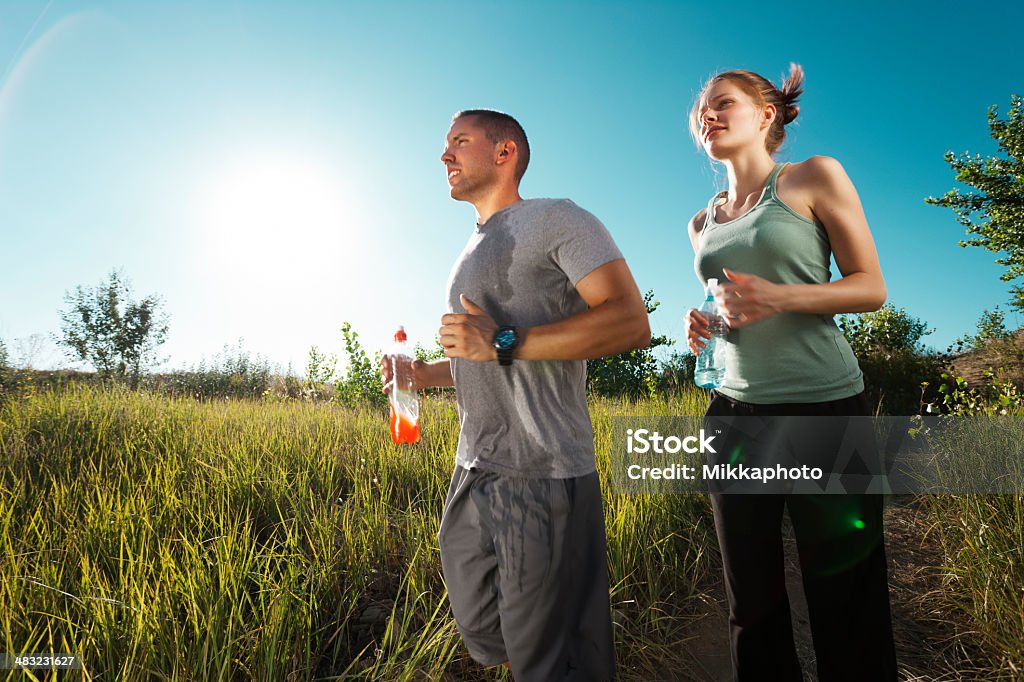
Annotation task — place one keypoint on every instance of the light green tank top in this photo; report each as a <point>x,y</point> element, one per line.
<point>790,357</point>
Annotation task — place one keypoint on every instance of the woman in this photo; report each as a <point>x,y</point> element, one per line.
<point>768,239</point>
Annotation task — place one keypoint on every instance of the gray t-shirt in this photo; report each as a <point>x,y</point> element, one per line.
<point>521,266</point>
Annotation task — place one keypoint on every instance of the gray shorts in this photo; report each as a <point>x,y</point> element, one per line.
<point>525,564</point>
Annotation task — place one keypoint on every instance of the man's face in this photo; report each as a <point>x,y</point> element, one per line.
<point>469,158</point>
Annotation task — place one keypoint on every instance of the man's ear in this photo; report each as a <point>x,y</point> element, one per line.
<point>506,151</point>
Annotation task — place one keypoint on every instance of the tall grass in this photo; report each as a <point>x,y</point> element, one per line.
<point>982,540</point>
<point>662,554</point>
<point>173,538</point>
<point>981,536</point>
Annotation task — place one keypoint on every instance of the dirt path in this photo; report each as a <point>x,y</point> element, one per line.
<point>925,645</point>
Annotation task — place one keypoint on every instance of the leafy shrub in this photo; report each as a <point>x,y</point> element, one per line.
<point>632,374</point>
<point>885,331</point>
<point>900,374</point>
<point>233,373</point>
<point>676,375</point>
<point>361,384</point>
<point>320,370</point>
<point>425,354</point>
<point>902,383</point>
<point>997,396</point>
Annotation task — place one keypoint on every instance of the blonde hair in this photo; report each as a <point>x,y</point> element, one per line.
<point>763,92</point>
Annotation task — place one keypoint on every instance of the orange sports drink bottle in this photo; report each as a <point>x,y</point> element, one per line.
<point>405,404</point>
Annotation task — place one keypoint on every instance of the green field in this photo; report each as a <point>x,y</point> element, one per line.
<point>172,538</point>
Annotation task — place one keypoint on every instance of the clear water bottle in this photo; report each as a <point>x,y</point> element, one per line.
<point>405,404</point>
<point>710,369</point>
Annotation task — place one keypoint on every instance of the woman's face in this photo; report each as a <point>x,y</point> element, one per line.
<point>730,120</point>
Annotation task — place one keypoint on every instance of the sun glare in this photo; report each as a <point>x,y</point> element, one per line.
<point>277,214</point>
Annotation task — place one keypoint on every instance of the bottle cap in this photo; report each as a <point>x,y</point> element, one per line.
<point>712,284</point>
<point>400,336</point>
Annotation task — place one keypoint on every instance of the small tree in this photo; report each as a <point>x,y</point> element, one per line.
<point>362,382</point>
<point>676,373</point>
<point>106,328</point>
<point>421,352</point>
<point>633,373</point>
<point>888,330</point>
<point>898,369</point>
<point>319,369</point>
<point>994,209</point>
<point>991,331</point>
<point>991,327</point>
<point>1002,351</point>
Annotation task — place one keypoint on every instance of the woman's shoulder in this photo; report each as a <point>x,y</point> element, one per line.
<point>816,171</point>
<point>696,223</point>
<point>695,226</point>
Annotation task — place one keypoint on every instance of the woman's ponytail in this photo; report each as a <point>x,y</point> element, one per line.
<point>790,93</point>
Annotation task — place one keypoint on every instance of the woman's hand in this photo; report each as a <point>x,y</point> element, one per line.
<point>747,299</point>
<point>696,331</point>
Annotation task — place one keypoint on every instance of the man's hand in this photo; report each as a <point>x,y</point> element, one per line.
<point>387,376</point>
<point>469,336</point>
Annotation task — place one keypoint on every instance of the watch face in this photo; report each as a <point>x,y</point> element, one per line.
<point>505,338</point>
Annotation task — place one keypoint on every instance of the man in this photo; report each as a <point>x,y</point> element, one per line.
<point>539,288</point>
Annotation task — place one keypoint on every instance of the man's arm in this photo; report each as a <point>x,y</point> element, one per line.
<point>615,322</point>
<point>437,374</point>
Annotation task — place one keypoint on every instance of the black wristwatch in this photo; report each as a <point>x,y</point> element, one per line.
<point>506,340</point>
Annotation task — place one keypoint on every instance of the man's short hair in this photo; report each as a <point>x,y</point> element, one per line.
<point>498,127</point>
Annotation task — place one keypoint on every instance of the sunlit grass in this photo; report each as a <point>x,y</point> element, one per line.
<point>184,539</point>
<point>173,538</point>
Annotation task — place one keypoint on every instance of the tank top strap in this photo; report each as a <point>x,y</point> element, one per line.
<point>769,191</point>
<point>709,214</point>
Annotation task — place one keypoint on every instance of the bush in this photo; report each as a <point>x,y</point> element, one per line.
<point>900,374</point>
<point>233,373</point>
<point>320,370</point>
<point>887,330</point>
<point>902,383</point>
<point>361,384</point>
<point>633,374</point>
<point>425,354</point>
<point>676,376</point>
<point>997,396</point>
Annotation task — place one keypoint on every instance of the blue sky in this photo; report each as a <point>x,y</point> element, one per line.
<point>272,169</point>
